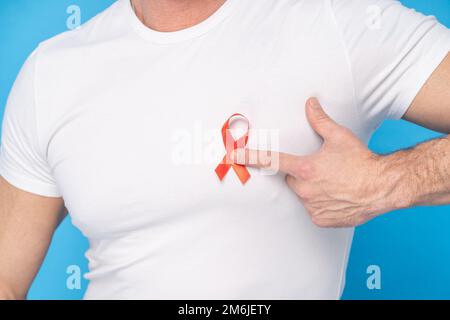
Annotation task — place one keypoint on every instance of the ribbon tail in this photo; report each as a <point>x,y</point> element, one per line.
<point>241,172</point>
<point>222,168</point>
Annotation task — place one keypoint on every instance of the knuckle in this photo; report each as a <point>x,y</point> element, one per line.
<point>318,221</point>
<point>322,118</point>
<point>351,222</point>
<point>304,169</point>
<point>315,220</point>
<point>322,224</point>
<point>359,221</point>
<point>303,192</point>
<point>291,181</point>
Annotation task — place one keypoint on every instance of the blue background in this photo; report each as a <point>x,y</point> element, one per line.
<point>412,246</point>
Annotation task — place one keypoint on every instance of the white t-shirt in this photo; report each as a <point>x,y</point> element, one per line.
<point>124,123</point>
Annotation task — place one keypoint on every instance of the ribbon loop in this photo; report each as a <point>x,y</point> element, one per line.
<point>230,145</point>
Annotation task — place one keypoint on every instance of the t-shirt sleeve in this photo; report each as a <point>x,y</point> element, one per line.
<point>392,51</point>
<point>22,159</point>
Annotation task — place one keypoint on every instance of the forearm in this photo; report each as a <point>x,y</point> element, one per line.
<point>418,176</point>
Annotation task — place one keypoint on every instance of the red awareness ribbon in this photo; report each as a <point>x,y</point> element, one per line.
<point>230,145</point>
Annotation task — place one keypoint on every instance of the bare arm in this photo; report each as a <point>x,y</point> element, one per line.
<point>345,184</point>
<point>426,168</point>
<point>421,174</point>
<point>431,107</point>
<point>27,223</point>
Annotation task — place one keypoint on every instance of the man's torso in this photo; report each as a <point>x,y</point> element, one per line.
<point>132,131</point>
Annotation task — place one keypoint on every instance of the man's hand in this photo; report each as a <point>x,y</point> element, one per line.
<point>344,184</point>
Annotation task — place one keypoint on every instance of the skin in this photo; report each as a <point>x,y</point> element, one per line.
<point>361,184</point>
<point>27,223</point>
<point>174,15</point>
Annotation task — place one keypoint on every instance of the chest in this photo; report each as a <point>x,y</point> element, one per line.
<point>143,150</point>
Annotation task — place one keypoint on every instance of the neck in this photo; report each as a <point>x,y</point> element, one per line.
<point>174,15</point>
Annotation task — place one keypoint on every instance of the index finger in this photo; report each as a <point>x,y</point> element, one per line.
<point>279,161</point>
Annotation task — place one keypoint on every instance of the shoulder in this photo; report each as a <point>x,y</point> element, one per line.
<point>108,24</point>
<point>65,66</point>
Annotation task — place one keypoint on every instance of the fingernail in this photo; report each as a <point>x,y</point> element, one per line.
<point>314,103</point>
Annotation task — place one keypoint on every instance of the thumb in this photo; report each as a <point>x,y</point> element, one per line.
<point>319,120</point>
